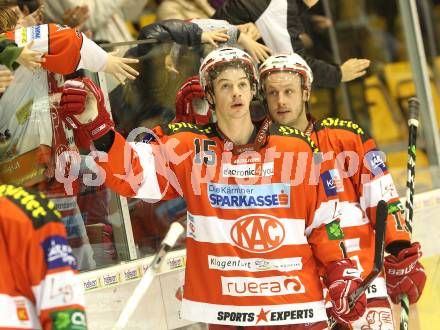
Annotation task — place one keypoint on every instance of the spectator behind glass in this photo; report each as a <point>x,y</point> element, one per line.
<point>184,9</point>
<point>106,18</point>
<point>281,29</point>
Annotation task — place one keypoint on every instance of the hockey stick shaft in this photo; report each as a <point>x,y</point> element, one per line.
<point>379,247</point>
<point>413,123</point>
<point>173,234</point>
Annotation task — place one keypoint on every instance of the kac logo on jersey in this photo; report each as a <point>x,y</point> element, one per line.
<point>376,162</point>
<point>264,196</point>
<point>58,253</point>
<point>332,182</point>
<point>258,233</point>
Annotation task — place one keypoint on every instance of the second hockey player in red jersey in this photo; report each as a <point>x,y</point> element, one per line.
<point>39,285</point>
<point>253,230</point>
<point>360,178</point>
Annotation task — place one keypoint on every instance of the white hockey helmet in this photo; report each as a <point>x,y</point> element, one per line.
<point>287,62</point>
<point>218,57</point>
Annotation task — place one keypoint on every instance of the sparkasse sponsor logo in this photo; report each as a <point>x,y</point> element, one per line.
<point>247,170</point>
<point>254,264</point>
<point>264,196</point>
<point>262,286</point>
<point>258,233</point>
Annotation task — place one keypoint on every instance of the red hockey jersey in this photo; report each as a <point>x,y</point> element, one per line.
<point>66,49</point>
<point>255,224</point>
<point>39,288</point>
<point>361,179</point>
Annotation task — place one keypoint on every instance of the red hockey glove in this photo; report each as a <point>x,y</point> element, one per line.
<point>88,118</point>
<point>342,278</point>
<point>190,92</point>
<point>405,274</point>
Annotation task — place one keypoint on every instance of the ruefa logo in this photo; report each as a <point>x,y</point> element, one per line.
<point>262,286</point>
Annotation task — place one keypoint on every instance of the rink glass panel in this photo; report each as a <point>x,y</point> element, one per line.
<point>38,151</point>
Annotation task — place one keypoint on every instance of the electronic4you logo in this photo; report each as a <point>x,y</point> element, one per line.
<point>258,233</point>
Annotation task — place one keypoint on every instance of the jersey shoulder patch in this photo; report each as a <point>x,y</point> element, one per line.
<point>35,205</point>
<point>282,130</point>
<point>346,125</point>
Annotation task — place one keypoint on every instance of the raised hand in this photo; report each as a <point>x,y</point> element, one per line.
<point>258,51</point>
<point>30,59</point>
<point>250,29</point>
<point>120,68</point>
<point>215,36</point>
<point>354,68</point>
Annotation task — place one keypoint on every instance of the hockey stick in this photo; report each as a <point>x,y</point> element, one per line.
<point>379,246</point>
<point>413,123</point>
<point>176,229</point>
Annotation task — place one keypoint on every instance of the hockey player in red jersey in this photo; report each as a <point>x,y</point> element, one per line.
<point>286,85</point>
<point>39,286</point>
<point>252,233</point>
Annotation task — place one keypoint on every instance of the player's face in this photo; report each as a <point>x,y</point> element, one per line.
<point>285,98</point>
<point>232,94</point>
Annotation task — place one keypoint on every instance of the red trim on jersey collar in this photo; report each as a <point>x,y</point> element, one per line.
<point>259,142</point>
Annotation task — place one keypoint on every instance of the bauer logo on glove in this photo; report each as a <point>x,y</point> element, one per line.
<point>405,274</point>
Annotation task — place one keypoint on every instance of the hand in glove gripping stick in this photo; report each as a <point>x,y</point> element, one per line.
<point>405,274</point>
<point>83,109</point>
<point>342,278</point>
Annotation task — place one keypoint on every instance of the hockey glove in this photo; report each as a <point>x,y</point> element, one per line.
<point>342,278</point>
<point>405,274</point>
<point>188,97</point>
<point>83,109</point>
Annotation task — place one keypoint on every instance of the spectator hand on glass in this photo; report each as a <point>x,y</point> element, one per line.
<point>321,22</point>
<point>30,59</point>
<point>213,36</point>
<point>120,68</point>
<point>354,68</point>
<point>251,30</point>
<point>258,51</point>
<point>169,64</point>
